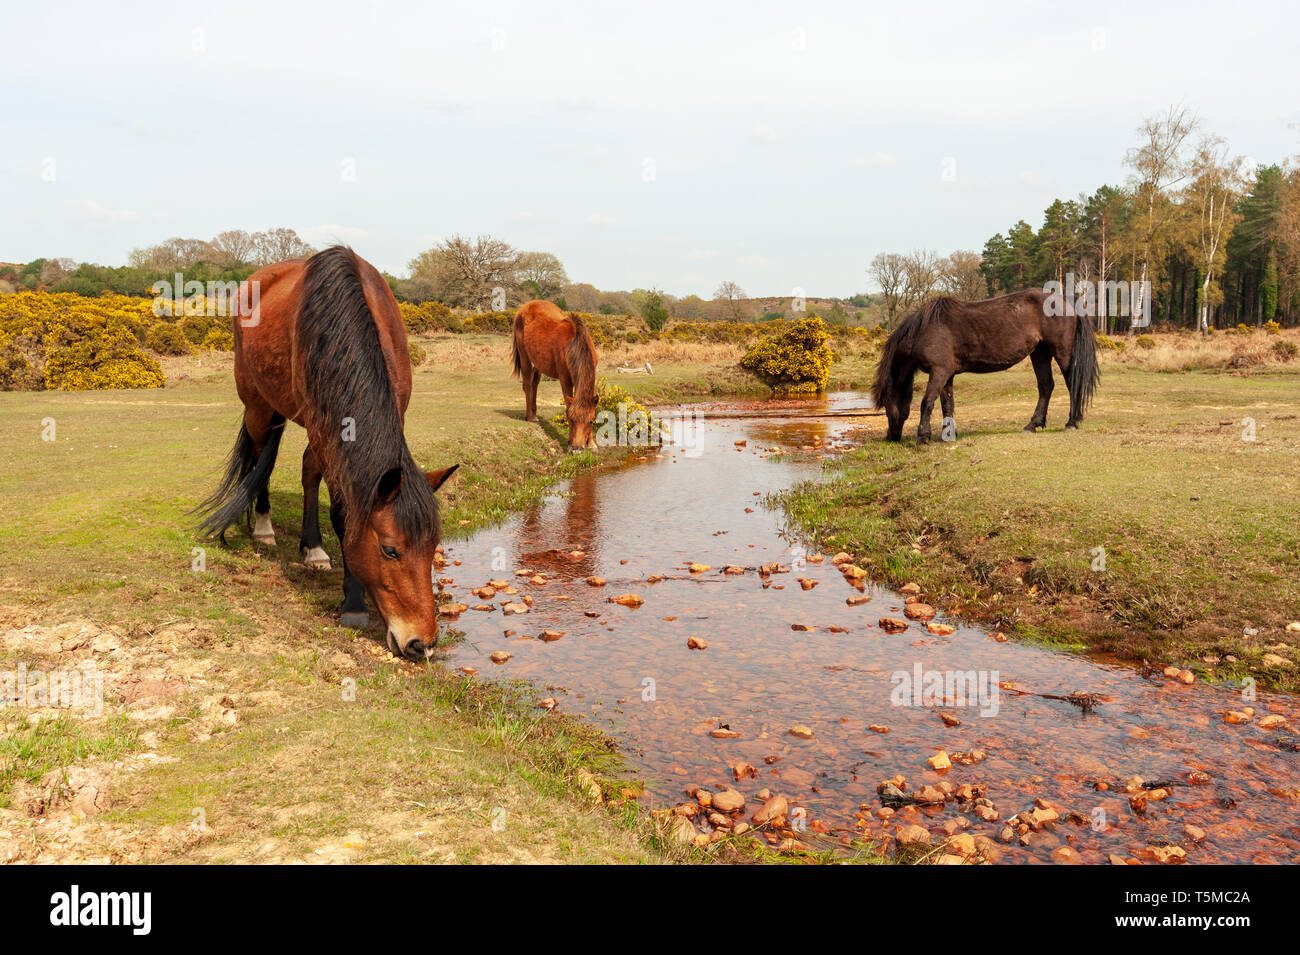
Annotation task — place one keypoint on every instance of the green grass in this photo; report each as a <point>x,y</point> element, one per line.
<point>1198,526</point>
<point>100,531</point>
<point>29,752</point>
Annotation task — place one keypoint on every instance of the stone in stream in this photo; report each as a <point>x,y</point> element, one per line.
<point>596,581</point>
<point>941,629</point>
<point>773,810</point>
<point>743,770</point>
<point>918,611</point>
<point>910,588</point>
<point>939,761</point>
<point>807,583</point>
<point>801,732</point>
<point>501,656</point>
<point>698,568</point>
<point>842,558</point>
<point>513,608</point>
<point>912,835</point>
<point>728,800</point>
<point>628,600</point>
<point>451,610</point>
<point>695,643</point>
<point>856,600</point>
<point>892,624</point>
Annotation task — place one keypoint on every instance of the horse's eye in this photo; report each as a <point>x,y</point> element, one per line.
<point>389,552</point>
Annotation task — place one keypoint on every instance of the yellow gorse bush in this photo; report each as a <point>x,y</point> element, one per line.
<point>796,360</point>
<point>76,342</point>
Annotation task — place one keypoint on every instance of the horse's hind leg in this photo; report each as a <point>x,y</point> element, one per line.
<point>259,419</point>
<point>1063,358</point>
<point>313,553</point>
<point>531,378</point>
<point>1041,357</point>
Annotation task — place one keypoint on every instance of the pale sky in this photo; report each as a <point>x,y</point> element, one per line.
<point>779,145</point>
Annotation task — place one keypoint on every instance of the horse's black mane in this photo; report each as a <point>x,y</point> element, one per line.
<point>344,375</point>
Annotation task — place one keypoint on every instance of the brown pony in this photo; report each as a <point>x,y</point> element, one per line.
<point>325,347</point>
<point>945,337</point>
<point>548,342</point>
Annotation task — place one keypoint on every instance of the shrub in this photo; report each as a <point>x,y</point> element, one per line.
<point>1145,341</point>
<point>219,338</point>
<point>16,372</point>
<point>110,360</point>
<point>796,360</point>
<point>1273,328</point>
<point>418,355</point>
<point>1109,344</point>
<point>1285,351</point>
<point>168,339</point>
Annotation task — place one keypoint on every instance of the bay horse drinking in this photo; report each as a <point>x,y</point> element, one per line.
<point>325,347</point>
<point>946,337</point>
<point>548,342</point>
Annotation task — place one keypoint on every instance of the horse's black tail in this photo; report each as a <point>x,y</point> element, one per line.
<point>245,476</point>
<point>1085,372</point>
<point>894,374</point>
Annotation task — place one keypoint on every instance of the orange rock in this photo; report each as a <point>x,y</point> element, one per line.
<point>695,643</point>
<point>892,625</point>
<point>596,581</point>
<point>940,761</point>
<point>918,611</point>
<point>807,583</point>
<point>501,656</point>
<point>801,732</point>
<point>628,600</point>
<point>940,629</point>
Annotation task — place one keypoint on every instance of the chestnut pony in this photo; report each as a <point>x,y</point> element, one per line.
<point>325,347</point>
<point>946,337</point>
<point>548,342</point>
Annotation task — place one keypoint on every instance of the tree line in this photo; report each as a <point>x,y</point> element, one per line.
<point>1217,239</point>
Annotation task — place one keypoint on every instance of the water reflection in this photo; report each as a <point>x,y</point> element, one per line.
<point>780,655</point>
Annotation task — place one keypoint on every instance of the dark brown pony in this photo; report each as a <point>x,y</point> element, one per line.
<point>325,347</point>
<point>548,342</point>
<point>945,337</point>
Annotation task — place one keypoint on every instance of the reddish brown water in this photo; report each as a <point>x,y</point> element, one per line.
<point>759,677</point>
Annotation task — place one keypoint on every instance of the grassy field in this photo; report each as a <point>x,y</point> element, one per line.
<point>1196,524</point>
<point>239,722</point>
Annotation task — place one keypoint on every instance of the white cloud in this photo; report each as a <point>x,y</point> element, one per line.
<point>97,213</point>
<point>701,254</point>
<point>876,160</point>
<point>764,134</point>
<point>334,234</point>
<point>601,218</point>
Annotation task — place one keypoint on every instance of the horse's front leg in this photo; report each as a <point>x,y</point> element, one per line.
<point>933,389</point>
<point>353,612</point>
<point>313,553</point>
<point>946,402</point>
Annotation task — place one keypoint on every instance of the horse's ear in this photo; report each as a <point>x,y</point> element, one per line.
<point>438,478</point>
<point>389,485</point>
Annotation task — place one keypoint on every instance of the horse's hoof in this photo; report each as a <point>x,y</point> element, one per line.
<point>1031,428</point>
<point>1070,426</point>
<point>316,558</point>
<point>267,539</point>
<point>356,620</point>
